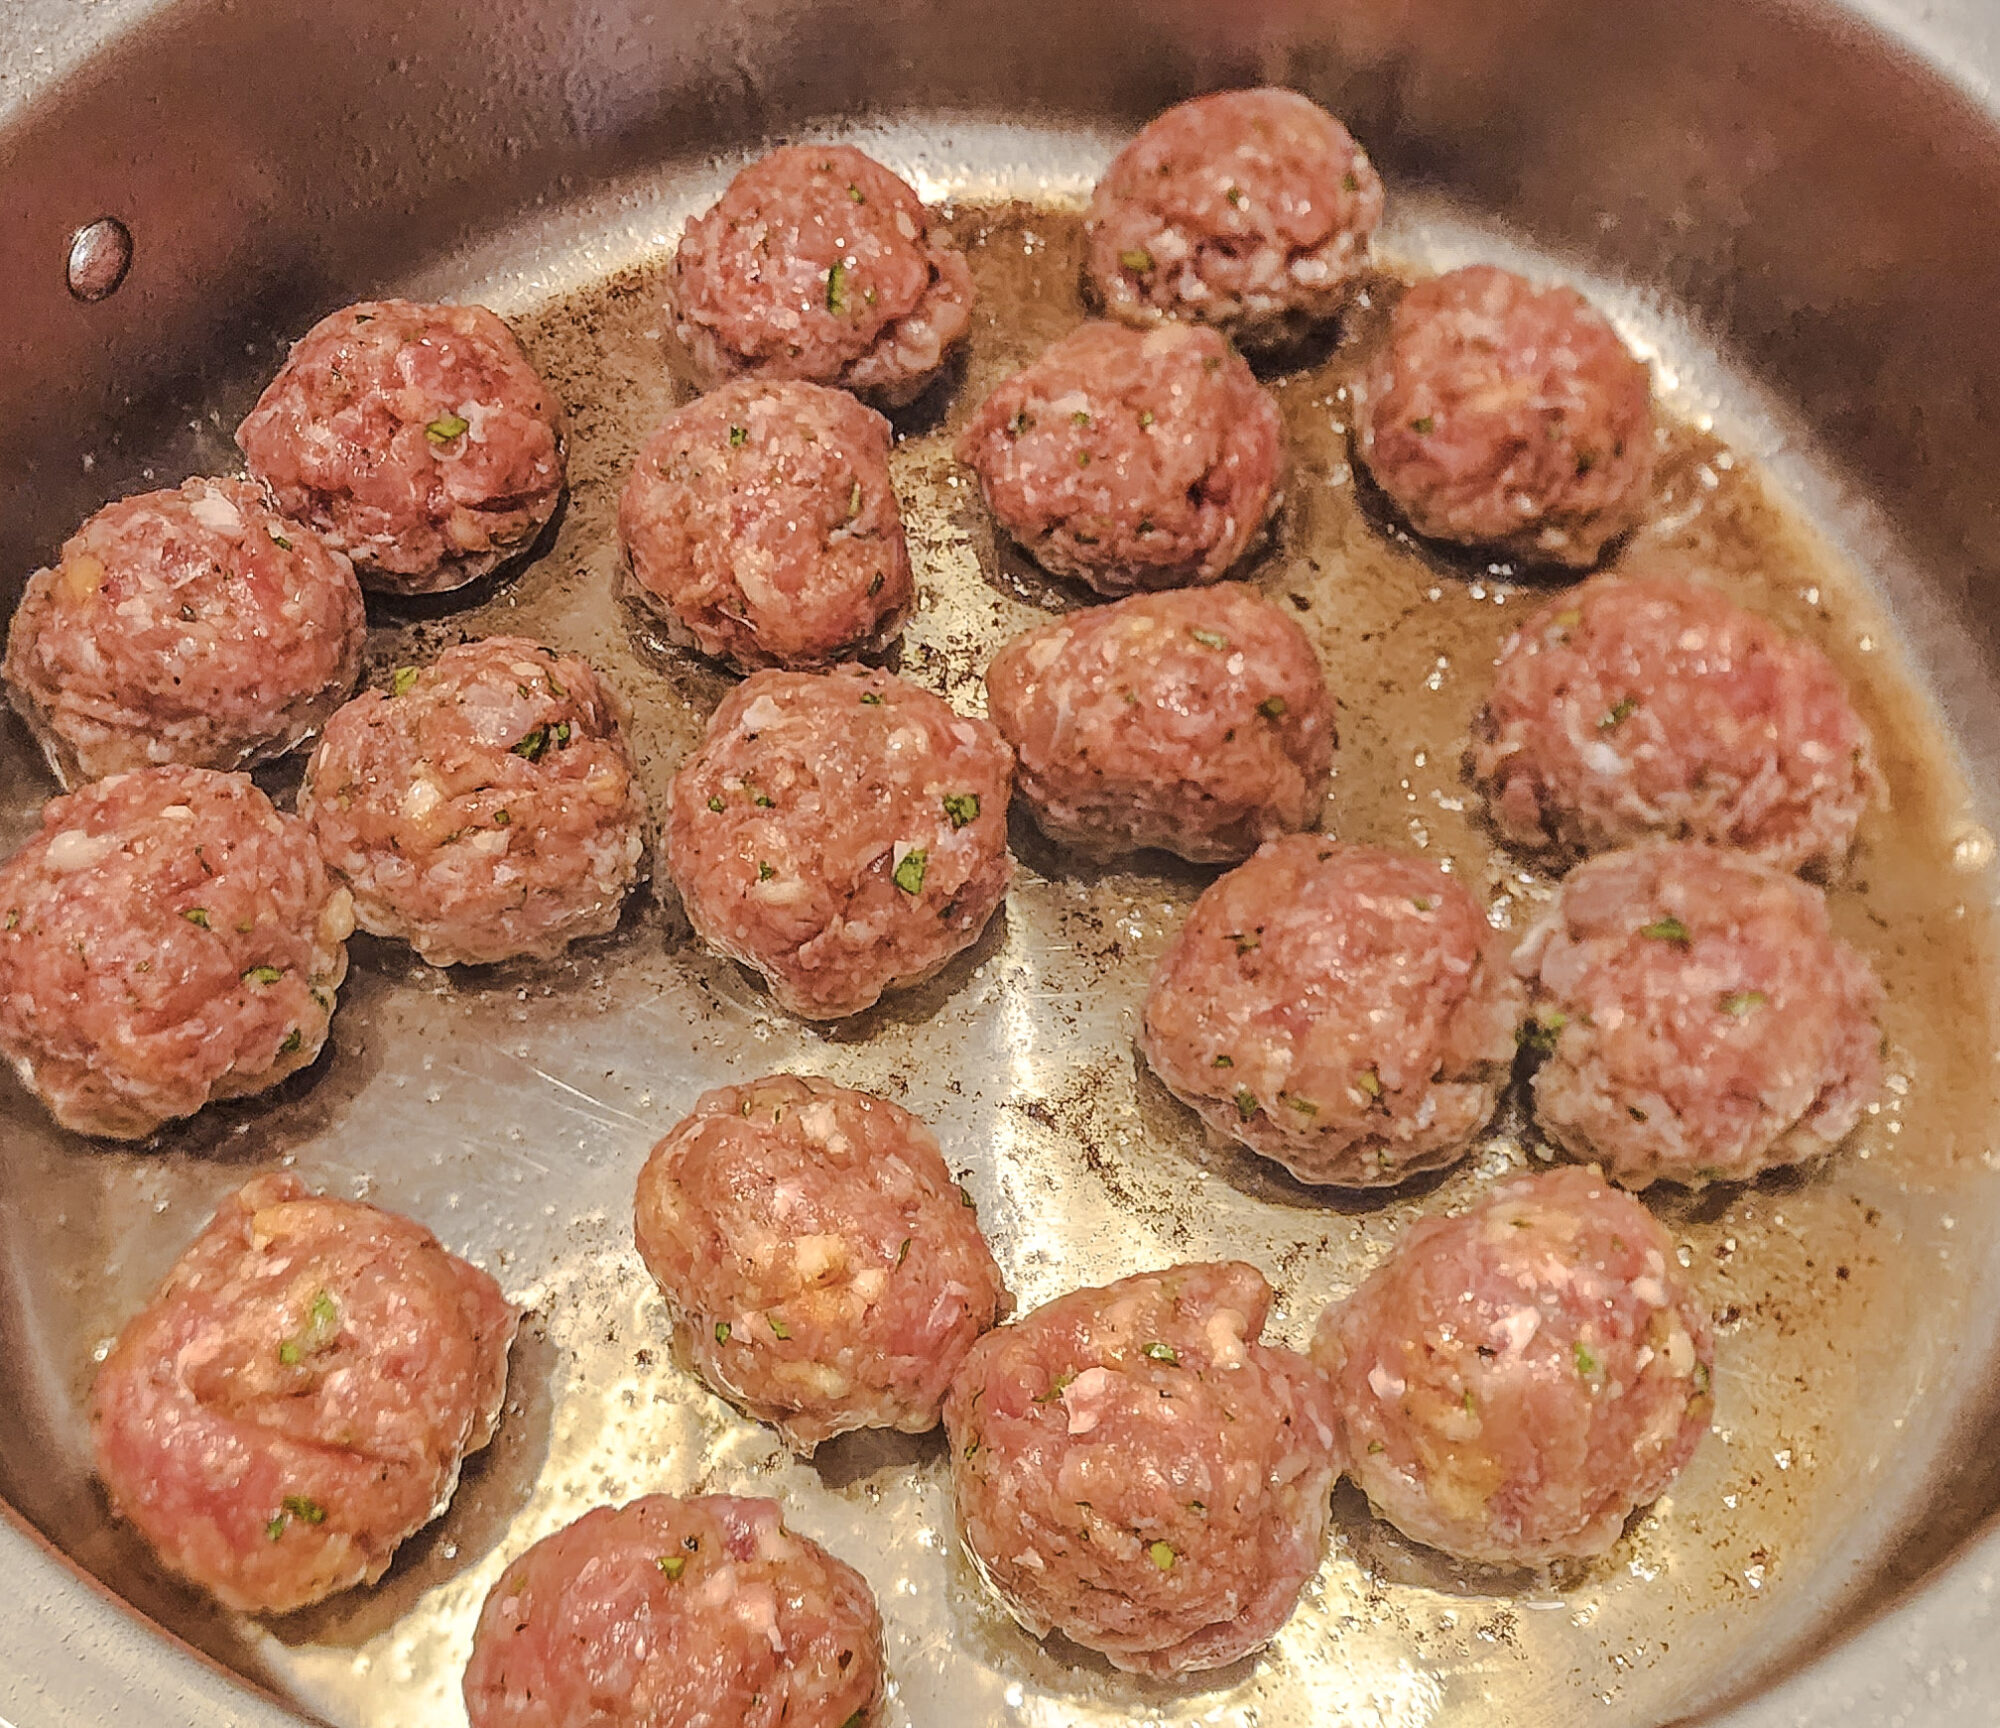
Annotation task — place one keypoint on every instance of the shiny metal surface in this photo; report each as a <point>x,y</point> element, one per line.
<point>1800,218</point>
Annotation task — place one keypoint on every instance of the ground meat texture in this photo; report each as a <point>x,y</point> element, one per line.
<point>1131,459</point>
<point>1197,722</point>
<point>842,833</point>
<point>665,1613</point>
<point>167,938</point>
<point>761,525</point>
<point>1701,1020</point>
<point>417,439</point>
<point>819,263</point>
<point>298,1396</point>
<point>1515,1380</point>
<point>1249,210</point>
<point>1631,707</point>
<point>1502,415</point>
<point>1133,1469</point>
<point>193,626</point>
<point>484,807</point>
<point>1345,1010</point>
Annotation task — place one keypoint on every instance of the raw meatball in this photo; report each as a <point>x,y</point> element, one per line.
<point>842,833</point>
<point>1507,416</point>
<point>418,439</point>
<point>485,807</point>
<point>761,525</point>
<point>818,263</point>
<point>192,626</point>
<point>1631,707</point>
<point>1198,722</point>
<point>1703,1023</point>
<point>1515,1380</point>
<point>820,1265</point>
<point>698,1613</point>
<point>1131,459</point>
<point>1133,1469</point>
<point>1345,1010</point>
<point>298,1396</point>
<point>166,939</point>
<point>1249,210</point>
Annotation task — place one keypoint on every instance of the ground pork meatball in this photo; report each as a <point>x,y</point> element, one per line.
<point>418,439</point>
<point>298,1396</point>
<point>1345,1010</point>
<point>192,626</point>
<point>1134,1470</point>
<point>1515,1380</point>
<point>1502,415</point>
<point>821,1267</point>
<point>1131,459</point>
<point>166,939</point>
<point>1197,722</point>
<point>842,833</point>
<point>1631,707</point>
<point>1249,210</point>
<point>761,525</point>
<point>1702,1022</point>
<point>666,1613</point>
<point>818,263</point>
<point>484,807</point>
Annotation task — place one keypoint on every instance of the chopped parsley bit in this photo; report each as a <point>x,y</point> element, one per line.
<point>263,975</point>
<point>910,873</point>
<point>1235,196</point>
<point>964,1196</point>
<point>1370,1082</point>
<point>1145,418</point>
<point>854,192</point>
<point>559,734</point>
<point>1246,942</point>
<point>1375,1446</point>
<point>198,915</point>
<point>1425,426</point>
<point>765,870</point>
<point>1057,1388</point>
<point>1246,1103</point>
<point>763,800</point>
<point>1272,707</point>
<point>1541,1033</point>
<point>276,1527</point>
<point>1349,183</point>
<point>1467,1402</point>
<point>903,1253</point>
<point>300,1507</point>
<point>1020,423</point>
<point>1667,929</point>
<point>1586,1364</point>
<point>854,502</point>
<point>1162,1352</point>
<point>972,1446</point>
<point>1700,1377</point>
<point>1080,418</point>
<point>738,437</point>
<point>401,680</point>
<point>1225,1062</point>
<point>1637,1115</point>
<point>717,803</point>
<point>1083,458</point>
<point>1423,902</point>
<point>722,1331</point>
<point>278,540</point>
<point>1621,710</point>
<point>445,428</point>
<point>962,807</point>
<point>555,689</point>
<point>1138,260</point>
<point>364,317</point>
<point>531,744</point>
<point>1304,1106</point>
<point>673,1565</point>
<point>1162,1555</point>
<point>502,818</point>
<point>874,588</point>
<point>871,699</point>
<point>1741,1002</point>
<point>14,918</point>
<point>322,1322</point>
<point>1209,638</point>
<point>778,1328</point>
<point>293,1039</point>
<point>836,287</point>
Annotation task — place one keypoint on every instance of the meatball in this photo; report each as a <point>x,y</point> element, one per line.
<point>1343,1009</point>
<point>1702,1022</point>
<point>1131,459</point>
<point>1639,706</point>
<point>1516,1379</point>
<point>761,525</point>
<point>1249,210</point>
<point>820,1265</point>
<point>818,263</point>
<point>666,1613</point>
<point>1197,722</point>
<point>1502,415</point>
<point>842,833</point>
<point>485,807</point>
<point>418,439</point>
<point>166,939</point>
<point>1134,1469</point>
<point>298,1396</point>
<point>193,626</point>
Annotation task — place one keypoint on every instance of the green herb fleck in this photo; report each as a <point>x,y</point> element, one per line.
<point>965,1196</point>
<point>778,1328</point>
<point>1225,1062</point>
<point>874,588</point>
<point>854,502</point>
<point>1621,711</point>
<point>1057,1388</point>
<point>310,1511</point>
<point>763,800</point>
<point>1370,1082</point>
<point>445,428</point>
<point>1424,426</point>
<point>198,915</point>
<point>532,743</point>
<point>1080,418</point>
<point>722,1331</point>
<point>1467,1402</point>
<point>1083,458</point>
<point>1020,423</point>
<point>1667,929</point>
<point>1246,1103</point>
<point>1586,1363</point>
<point>1568,620</point>
<point>1145,418</point>
<point>1349,183</point>
<point>1162,1352</point>
<point>836,287</point>
<point>1741,1002</point>
<point>1162,1555</point>
<point>1235,196</point>
<point>293,1039</point>
<point>854,192</point>
<point>903,1253</point>
<point>910,873</point>
<point>1272,707</point>
<point>1701,1377</point>
<point>14,918</point>
<point>716,803</point>
<point>1209,638</point>
<point>962,807</point>
<point>1138,260</point>
<point>276,1527</point>
<point>1304,1106</point>
<point>871,699</point>
<point>1541,1033</point>
<point>502,818</point>
<point>673,1565</point>
<point>765,870</point>
<point>738,437</point>
<point>1247,942</point>
<point>401,680</point>
<point>1637,1115</point>
<point>278,540</point>
<point>263,975</point>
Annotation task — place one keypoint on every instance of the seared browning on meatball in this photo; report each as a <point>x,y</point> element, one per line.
<point>821,1267</point>
<point>1197,721</point>
<point>166,939</point>
<point>1249,210</point>
<point>484,807</point>
<point>1133,1469</point>
<point>1342,1009</point>
<point>298,1396</point>
<point>841,833</point>
<point>761,525</point>
<point>1515,1380</point>
<point>698,1613</point>
<point>1703,1022</point>
<point>818,263</point>
<point>1503,415</point>
<point>194,626</point>
<point>1131,459</point>
<point>1638,706</point>
<point>418,439</point>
